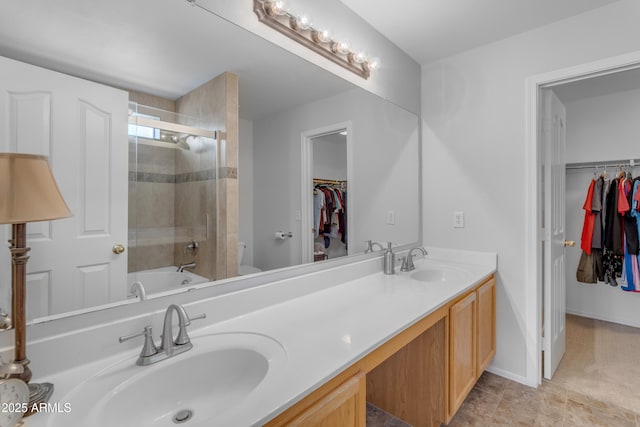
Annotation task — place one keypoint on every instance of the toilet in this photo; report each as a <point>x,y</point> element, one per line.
<point>243,270</point>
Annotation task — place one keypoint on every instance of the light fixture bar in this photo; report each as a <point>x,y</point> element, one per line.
<point>271,13</point>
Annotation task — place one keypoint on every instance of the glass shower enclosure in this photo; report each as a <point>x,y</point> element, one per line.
<point>172,203</point>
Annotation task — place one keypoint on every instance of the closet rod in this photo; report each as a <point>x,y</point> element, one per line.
<point>612,163</point>
<point>327,181</point>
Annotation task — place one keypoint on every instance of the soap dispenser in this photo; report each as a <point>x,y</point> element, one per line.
<point>389,260</point>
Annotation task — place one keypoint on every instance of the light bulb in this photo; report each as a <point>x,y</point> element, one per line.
<point>359,57</point>
<point>279,7</point>
<point>304,22</point>
<point>324,36</point>
<point>342,47</point>
<point>374,63</point>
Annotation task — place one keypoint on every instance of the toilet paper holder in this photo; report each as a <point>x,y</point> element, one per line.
<point>282,235</point>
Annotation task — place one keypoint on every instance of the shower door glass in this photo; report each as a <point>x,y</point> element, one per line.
<point>172,203</point>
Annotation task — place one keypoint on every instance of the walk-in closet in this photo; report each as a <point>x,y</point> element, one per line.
<point>602,300</point>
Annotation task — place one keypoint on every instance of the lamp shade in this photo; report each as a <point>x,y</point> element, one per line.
<point>28,191</point>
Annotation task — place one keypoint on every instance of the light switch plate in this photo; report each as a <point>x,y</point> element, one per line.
<point>458,219</point>
<point>391,218</point>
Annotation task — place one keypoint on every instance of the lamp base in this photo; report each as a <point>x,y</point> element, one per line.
<point>38,394</point>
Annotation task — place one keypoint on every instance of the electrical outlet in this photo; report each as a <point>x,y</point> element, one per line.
<point>391,218</point>
<point>458,219</point>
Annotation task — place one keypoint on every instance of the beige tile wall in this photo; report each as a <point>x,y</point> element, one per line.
<point>215,105</point>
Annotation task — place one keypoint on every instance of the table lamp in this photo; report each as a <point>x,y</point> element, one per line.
<point>28,193</point>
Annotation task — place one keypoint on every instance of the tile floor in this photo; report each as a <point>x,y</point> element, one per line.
<point>596,385</point>
<point>376,417</point>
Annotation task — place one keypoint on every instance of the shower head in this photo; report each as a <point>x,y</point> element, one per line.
<point>175,139</point>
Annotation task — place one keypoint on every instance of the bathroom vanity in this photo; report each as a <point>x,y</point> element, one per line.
<point>309,350</point>
<point>422,375</point>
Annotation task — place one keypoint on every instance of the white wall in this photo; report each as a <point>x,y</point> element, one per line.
<point>598,129</point>
<point>245,188</point>
<point>604,127</point>
<point>398,78</point>
<point>473,107</point>
<point>385,162</point>
<point>329,159</point>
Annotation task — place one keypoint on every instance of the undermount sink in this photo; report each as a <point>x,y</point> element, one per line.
<point>201,387</point>
<point>439,274</point>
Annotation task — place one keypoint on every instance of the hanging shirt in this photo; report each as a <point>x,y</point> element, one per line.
<point>318,205</point>
<point>628,268</point>
<point>635,204</point>
<point>630,224</point>
<point>613,229</point>
<point>589,217</point>
<point>623,204</point>
<point>596,208</point>
<point>603,213</point>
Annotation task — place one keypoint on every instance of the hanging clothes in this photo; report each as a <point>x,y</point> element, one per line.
<point>610,238</point>
<point>598,262</point>
<point>613,252</point>
<point>330,222</point>
<point>589,221</point>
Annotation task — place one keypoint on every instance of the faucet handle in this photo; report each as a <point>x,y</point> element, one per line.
<point>198,317</point>
<point>148,348</point>
<point>183,337</point>
<point>407,263</point>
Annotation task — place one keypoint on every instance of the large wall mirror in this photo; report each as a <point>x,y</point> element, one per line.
<point>302,134</point>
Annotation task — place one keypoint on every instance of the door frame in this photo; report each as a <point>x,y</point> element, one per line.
<point>307,177</point>
<point>533,202</point>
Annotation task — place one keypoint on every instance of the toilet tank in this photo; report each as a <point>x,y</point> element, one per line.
<point>241,246</point>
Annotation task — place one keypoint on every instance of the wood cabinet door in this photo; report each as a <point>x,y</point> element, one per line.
<point>345,406</point>
<point>486,339</point>
<point>462,362</point>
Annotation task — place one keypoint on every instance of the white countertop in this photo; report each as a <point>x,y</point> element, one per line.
<point>322,333</point>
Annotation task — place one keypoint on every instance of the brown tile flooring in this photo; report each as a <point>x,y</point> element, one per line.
<point>596,384</point>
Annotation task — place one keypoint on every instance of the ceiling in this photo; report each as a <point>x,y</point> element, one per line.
<point>161,47</point>
<point>621,81</point>
<point>164,47</point>
<point>432,29</point>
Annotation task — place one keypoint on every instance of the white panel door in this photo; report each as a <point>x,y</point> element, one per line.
<point>82,127</point>
<point>554,134</point>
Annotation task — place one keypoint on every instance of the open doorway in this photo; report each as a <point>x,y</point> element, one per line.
<point>330,195</point>
<point>326,175</point>
<point>548,307</point>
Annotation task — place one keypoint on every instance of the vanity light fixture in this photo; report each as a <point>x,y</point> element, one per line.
<point>28,193</point>
<point>299,28</point>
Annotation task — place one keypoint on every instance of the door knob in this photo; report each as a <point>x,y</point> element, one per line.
<point>117,249</point>
<point>570,243</point>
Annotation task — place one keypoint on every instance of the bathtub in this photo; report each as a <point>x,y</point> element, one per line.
<point>160,280</point>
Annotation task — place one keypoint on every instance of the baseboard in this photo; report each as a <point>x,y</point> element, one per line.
<point>626,322</point>
<point>510,376</point>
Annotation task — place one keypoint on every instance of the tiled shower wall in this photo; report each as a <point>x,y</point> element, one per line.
<point>151,206</point>
<point>215,104</point>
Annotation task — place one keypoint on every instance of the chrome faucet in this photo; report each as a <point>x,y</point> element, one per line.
<point>182,342</point>
<point>137,290</point>
<point>407,262</point>
<point>168,347</point>
<point>191,264</point>
<point>370,245</point>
